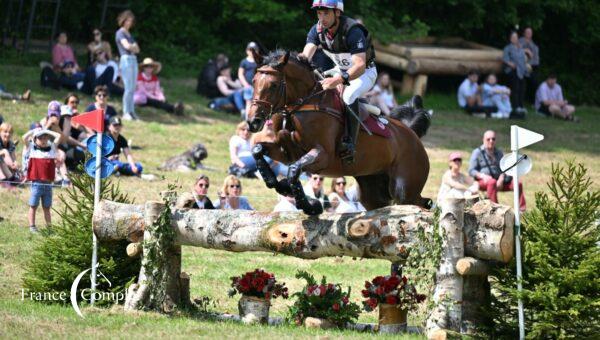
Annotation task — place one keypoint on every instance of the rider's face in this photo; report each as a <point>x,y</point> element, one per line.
<point>326,17</point>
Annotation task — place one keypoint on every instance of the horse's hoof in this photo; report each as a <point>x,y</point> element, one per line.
<point>257,151</point>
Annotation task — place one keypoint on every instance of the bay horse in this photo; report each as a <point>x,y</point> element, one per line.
<point>308,130</point>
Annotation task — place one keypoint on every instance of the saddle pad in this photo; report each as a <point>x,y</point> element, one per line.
<point>377,127</point>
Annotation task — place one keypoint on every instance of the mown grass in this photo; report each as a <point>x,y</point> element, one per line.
<point>160,136</point>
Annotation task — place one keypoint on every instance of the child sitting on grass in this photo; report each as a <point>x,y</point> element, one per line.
<point>41,155</point>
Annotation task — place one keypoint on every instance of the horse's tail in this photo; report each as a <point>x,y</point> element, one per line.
<point>413,115</point>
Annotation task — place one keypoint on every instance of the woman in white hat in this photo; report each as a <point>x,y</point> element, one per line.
<point>148,91</point>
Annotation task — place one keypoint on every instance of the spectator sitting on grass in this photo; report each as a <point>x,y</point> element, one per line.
<point>62,53</point>
<point>102,72</point>
<point>73,134</point>
<point>496,95</point>
<point>98,44</point>
<point>246,73</point>
<point>41,157</point>
<point>101,95</point>
<point>9,168</point>
<point>240,152</point>
<point>339,199</point>
<point>197,198</point>
<point>382,94</point>
<point>314,189</point>
<point>148,91</point>
<point>267,135</point>
<point>131,168</point>
<point>230,196</point>
<point>231,90</point>
<point>18,97</point>
<point>70,78</point>
<point>469,98</point>
<point>207,80</point>
<point>484,167</point>
<point>455,184</point>
<point>549,100</point>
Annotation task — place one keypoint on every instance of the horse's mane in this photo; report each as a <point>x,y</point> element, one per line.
<point>272,59</point>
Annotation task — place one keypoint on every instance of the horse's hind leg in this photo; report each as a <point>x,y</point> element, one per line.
<point>282,187</point>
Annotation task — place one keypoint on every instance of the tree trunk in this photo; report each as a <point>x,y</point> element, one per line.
<point>394,49</point>
<point>476,293</point>
<point>448,293</point>
<point>452,54</point>
<point>451,67</point>
<point>488,230</point>
<point>391,60</point>
<point>420,85</point>
<point>408,84</point>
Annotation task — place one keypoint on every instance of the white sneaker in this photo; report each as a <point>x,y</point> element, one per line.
<point>497,115</point>
<point>127,116</point>
<point>135,116</point>
<point>149,177</point>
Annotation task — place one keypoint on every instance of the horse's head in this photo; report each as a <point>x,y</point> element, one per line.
<point>272,92</point>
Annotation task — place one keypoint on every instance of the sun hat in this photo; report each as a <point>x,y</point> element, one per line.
<point>454,155</point>
<point>54,109</point>
<point>151,62</point>
<point>252,46</point>
<point>39,132</point>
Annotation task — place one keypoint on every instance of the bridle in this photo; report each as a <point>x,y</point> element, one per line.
<point>285,109</point>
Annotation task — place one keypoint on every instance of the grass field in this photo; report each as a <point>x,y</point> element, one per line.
<point>159,136</point>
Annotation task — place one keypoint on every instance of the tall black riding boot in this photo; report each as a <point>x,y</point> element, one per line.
<point>349,140</point>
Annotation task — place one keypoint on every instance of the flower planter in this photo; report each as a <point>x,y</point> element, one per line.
<point>253,309</point>
<point>392,319</point>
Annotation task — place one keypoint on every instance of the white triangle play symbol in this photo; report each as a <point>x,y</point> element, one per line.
<point>521,137</point>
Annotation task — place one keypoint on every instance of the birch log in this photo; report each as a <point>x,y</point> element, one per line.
<point>391,60</point>
<point>488,230</point>
<point>451,67</point>
<point>476,293</point>
<point>448,292</point>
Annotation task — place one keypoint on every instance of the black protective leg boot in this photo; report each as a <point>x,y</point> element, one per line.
<point>349,141</point>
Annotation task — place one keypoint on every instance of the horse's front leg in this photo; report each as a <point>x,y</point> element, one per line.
<point>314,158</point>
<point>259,151</point>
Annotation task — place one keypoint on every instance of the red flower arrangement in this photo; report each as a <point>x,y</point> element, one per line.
<point>391,289</point>
<point>323,300</point>
<point>258,283</point>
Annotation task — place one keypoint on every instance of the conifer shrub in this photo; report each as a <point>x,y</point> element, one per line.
<point>64,250</point>
<point>561,263</point>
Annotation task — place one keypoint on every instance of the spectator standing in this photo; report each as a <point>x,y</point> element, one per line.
<point>207,80</point>
<point>484,167</point>
<point>41,155</point>
<point>131,168</point>
<point>339,199</point>
<point>52,122</point>
<point>98,44</point>
<point>128,49</point>
<point>382,94</point>
<point>549,100</point>
<point>101,96</point>
<point>240,152</point>
<point>533,53</point>
<point>469,98</point>
<point>148,91</point>
<point>230,197</point>
<point>455,184</point>
<point>515,66</point>
<point>496,95</point>
<point>246,73</point>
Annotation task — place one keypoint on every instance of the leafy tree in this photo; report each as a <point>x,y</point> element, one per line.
<point>561,262</point>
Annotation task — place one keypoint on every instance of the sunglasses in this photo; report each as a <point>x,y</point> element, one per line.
<point>101,95</point>
<point>202,185</point>
<point>318,178</point>
<point>340,183</point>
<point>235,186</point>
<point>491,139</point>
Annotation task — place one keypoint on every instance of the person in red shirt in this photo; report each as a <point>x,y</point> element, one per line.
<point>148,91</point>
<point>41,155</point>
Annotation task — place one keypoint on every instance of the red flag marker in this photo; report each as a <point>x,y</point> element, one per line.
<point>93,120</point>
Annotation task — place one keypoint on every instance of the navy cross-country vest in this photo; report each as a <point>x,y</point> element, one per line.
<point>339,51</point>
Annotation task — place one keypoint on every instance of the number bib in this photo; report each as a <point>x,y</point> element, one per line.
<point>341,60</point>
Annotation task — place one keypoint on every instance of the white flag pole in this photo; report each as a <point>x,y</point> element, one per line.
<point>96,201</point>
<point>515,149</point>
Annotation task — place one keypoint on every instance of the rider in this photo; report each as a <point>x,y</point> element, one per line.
<point>348,43</point>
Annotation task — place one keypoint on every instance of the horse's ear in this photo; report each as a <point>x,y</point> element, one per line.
<point>258,58</point>
<point>284,59</point>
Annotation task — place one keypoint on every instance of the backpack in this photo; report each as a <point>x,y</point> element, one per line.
<point>207,81</point>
